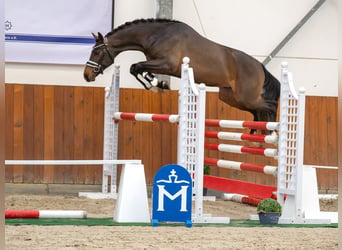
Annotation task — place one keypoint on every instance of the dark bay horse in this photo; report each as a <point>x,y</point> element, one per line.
<point>243,81</point>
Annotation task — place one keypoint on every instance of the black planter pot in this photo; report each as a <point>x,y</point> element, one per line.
<point>269,218</point>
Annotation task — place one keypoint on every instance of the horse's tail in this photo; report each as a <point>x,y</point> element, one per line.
<point>271,86</point>
<point>271,93</point>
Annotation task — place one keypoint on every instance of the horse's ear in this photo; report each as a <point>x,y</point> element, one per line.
<point>95,36</point>
<point>100,37</point>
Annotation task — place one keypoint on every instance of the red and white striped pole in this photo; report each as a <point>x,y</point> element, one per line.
<point>45,214</point>
<point>146,117</point>
<point>242,124</point>
<point>242,199</point>
<point>272,139</point>
<point>242,166</point>
<point>269,152</point>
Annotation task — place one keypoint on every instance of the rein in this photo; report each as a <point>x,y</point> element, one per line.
<point>98,68</point>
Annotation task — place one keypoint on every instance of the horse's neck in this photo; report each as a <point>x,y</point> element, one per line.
<point>131,38</point>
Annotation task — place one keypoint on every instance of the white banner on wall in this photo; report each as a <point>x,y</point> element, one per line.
<point>40,31</point>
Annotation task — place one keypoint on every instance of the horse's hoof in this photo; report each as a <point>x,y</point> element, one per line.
<point>164,85</point>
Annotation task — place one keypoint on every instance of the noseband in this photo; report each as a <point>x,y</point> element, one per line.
<point>98,68</point>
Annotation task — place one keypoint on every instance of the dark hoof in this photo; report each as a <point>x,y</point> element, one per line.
<point>164,85</point>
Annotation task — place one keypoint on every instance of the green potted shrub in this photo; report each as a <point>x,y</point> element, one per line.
<point>269,211</point>
<point>206,171</point>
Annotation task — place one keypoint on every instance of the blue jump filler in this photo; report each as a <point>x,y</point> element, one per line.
<point>172,195</point>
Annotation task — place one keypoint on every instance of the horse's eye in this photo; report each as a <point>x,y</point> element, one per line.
<point>96,53</point>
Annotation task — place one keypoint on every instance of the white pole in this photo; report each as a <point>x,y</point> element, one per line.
<point>300,151</point>
<point>69,162</point>
<point>201,99</point>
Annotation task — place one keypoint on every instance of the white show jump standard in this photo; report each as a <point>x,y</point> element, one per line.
<point>191,104</point>
<point>271,139</point>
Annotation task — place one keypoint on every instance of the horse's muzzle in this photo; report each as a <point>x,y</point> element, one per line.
<point>89,75</point>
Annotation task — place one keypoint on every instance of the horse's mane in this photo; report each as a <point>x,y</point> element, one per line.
<point>138,21</point>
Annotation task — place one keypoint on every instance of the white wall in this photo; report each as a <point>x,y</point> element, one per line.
<point>257,27</point>
<point>254,26</point>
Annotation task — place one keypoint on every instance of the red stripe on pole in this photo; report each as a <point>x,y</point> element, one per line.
<point>211,134</point>
<point>253,150</point>
<point>128,116</point>
<point>212,123</point>
<point>238,187</point>
<point>210,161</point>
<point>12,214</point>
<point>255,125</point>
<point>253,138</point>
<point>161,117</point>
<point>250,201</point>
<point>212,146</point>
<point>252,167</point>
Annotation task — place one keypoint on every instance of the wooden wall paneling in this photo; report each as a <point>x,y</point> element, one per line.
<point>172,109</point>
<point>314,151</point>
<point>310,129</point>
<point>38,131</point>
<point>9,126</point>
<point>322,144</point>
<point>332,175</point>
<point>28,133</point>
<point>98,131</point>
<point>18,132</point>
<point>68,132</point>
<point>332,155</point>
<point>211,113</point>
<point>137,128</point>
<point>88,136</point>
<point>143,139</point>
<point>59,135</point>
<point>49,128</point>
<point>125,147</point>
<point>54,122</point>
<point>331,121</point>
<point>320,138</point>
<point>155,134</point>
<point>79,124</point>
<point>161,133</point>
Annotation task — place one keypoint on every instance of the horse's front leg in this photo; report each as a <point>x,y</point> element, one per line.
<point>147,79</point>
<point>142,72</point>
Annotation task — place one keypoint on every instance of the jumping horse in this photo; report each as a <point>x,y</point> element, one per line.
<point>243,82</point>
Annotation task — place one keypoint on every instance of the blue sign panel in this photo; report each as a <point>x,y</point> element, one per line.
<point>172,195</point>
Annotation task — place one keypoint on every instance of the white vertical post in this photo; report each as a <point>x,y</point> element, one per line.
<point>116,96</point>
<point>300,152</point>
<point>181,147</point>
<point>283,131</point>
<point>201,99</point>
<point>288,165</point>
<point>107,136</point>
<point>111,133</point>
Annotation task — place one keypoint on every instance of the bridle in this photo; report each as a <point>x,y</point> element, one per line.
<point>98,67</point>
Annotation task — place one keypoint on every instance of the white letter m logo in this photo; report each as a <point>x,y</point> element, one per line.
<point>162,192</point>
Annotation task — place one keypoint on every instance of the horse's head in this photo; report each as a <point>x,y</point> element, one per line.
<point>100,59</point>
